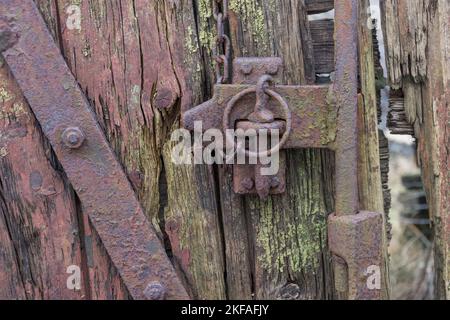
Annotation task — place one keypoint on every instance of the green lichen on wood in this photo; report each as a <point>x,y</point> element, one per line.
<point>3,152</point>
<point>191,48</point>
<point>5,95</point>
<point>190,43</point>
<point>86,51</point>
<point>206,32</point>
<point>199,39</point>
<point>297,247</point>
<point>293,239</point>
<point>17,110</point>
<point>252,14</point>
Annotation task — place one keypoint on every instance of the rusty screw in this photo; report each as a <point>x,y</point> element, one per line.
<point>248,184</point>
<point>155,291</point>
<point>73,138</point>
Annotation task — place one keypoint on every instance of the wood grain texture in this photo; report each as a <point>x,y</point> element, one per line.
<point>371,193</point>
<point>319,6</point>
<point>39,232</point>
<point>323,44</point>
<point>418,34</point>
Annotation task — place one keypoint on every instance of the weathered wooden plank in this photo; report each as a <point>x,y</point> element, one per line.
<point>406,39</point>
<point>39,232</point>
<point>417,43</point>
<point>398,121</point>
<point>370,163</point>
<point>319,6</point>
<point>102,279</point>
<point>323,42</point>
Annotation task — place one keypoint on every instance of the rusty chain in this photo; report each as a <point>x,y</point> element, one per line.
<point>222,51</point>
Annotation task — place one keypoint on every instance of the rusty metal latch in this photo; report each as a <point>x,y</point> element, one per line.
<point>77,139</point>
<point>308,117</point>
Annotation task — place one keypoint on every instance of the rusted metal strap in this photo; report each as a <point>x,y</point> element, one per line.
<point>91,166</point>
<point>355,237</point>
<point>346,93</point>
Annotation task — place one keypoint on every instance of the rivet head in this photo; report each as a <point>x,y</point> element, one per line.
<point>155,291</point>
<point>73,138</point>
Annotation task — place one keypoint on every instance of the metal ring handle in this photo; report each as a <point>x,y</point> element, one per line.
<point>288,114</point>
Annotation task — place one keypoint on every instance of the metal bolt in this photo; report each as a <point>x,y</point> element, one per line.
<point>248,184</point>
<point>155,291</point>
<point>73,138</point>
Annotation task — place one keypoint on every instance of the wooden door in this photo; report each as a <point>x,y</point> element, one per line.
<point>141,63</point>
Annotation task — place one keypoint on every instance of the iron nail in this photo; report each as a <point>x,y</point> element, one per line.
<point>73,138</point>
<point>155,291</point>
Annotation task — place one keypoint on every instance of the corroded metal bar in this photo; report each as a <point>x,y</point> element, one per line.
<point>346,93</point>
<point>313,113</point>
<point>91,166</point>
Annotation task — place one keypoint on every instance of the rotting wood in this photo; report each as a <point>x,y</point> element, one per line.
<point>323,43</point>
<point>371,192</point>
<point>397,118</point>
<point>418,47</point>
<point>319,6</point>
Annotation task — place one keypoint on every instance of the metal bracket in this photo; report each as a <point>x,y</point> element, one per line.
<point>91,166</point>
<point>356,242</point>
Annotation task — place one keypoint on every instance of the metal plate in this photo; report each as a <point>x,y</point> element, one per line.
<point>313,113</point>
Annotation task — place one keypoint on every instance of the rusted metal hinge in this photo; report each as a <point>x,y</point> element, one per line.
<point>89,162</point>
<point>307,117</point>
